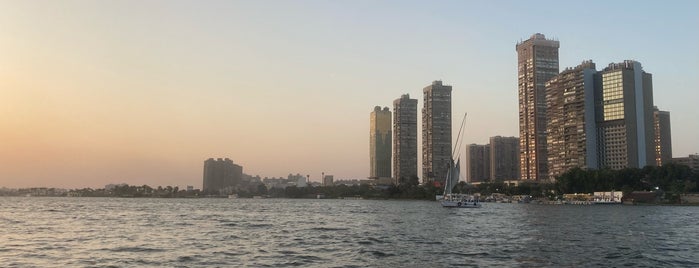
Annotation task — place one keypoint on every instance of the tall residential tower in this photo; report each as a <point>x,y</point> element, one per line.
<point>504,158</point>
<point>436,132</point>
<point>571,128</point>
<point>537,62</point>
<point>477,163</point>
<point>221,175</point>
<point>662,137</point>
<point>380,143</point>
<point>405,140</point>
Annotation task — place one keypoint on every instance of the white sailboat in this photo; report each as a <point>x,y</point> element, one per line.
<point>450,199</point>
<point>456,200</point>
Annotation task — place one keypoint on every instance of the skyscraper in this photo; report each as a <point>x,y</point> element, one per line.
<point>404,140</point>
<point>571,127</point>
<point>504,158</point>
<point>625,116</point>
<point>662,138</point>
<point>436,132</point>
<point>380,143</point>
<point>221,175</point>
<point>477,163</point>
<point>604,119</point>
<point>537,62</point>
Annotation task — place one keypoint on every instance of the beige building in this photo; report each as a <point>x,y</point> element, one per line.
<point>537,62</point>
<point>497,161</point>
<point>436,132</point>
<point>380,143</point>
<point>220,176</point>
<point>662,137</point>
<point>328,180</point>
<point>404,140</point>
<point>571,128</point>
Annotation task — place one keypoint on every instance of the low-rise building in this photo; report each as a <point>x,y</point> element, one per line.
<point>692,161</point>
<point>328,180</point>
<point>608,197</point>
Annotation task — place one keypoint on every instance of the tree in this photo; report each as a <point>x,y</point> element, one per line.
<point>261,189</point>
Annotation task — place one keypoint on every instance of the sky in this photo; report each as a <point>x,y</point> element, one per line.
<point>142,92</point>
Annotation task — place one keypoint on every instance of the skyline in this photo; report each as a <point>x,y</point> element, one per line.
<point>144,93</point>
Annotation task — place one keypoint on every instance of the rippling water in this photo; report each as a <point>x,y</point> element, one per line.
<point>100,232</point>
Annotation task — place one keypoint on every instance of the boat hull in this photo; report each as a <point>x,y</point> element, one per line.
<point>455,204</point>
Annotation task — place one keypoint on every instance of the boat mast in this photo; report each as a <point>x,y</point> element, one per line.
<point>451,182</point>
<point>458,137</point>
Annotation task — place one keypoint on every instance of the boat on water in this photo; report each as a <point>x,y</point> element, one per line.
<point>460,201</point>
<point>456,200</point>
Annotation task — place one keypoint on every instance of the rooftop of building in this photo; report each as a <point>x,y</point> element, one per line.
<point>379,109</point>
<point>436,84</point>
<point>624,65</point>
<point>539,39</point>
<point>586,64</point>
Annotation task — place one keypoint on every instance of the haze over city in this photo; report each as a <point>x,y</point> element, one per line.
<point>98,92</point>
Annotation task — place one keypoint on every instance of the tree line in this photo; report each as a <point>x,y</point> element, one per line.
<point>671,179</point>
<point>125,190</point>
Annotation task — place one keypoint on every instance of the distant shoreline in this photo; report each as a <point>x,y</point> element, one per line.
<point>370,199</point>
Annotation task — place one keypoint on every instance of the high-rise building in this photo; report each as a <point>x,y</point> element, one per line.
<point>624,101</point>
<point>662,137</point>
<point>537,62</point>
<point>405,140</point>
<point>477,163</point>
<point>504,158</point>
<point>604,119</point>
<point>571,128</point>
<point>436,132</point>
<point>221,175</point>
<point>380,143</point>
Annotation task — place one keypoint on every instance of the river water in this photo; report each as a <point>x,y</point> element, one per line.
<point>114,232</point>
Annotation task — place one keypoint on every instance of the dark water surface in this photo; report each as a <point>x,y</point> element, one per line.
<point>101,232</point>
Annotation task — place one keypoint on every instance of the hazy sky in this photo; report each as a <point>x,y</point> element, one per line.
<point>142,92</point>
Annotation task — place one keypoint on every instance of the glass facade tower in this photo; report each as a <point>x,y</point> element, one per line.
<point>380,143</point>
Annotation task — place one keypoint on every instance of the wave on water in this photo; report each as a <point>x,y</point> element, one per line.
<point>328,229</point>
<point>258,225</point>
<point>377,253</point>
<point>136,249</point>
<point>79,232</point>
<point>186,259</point>
<point>10,221</point>
<point>53,210</point>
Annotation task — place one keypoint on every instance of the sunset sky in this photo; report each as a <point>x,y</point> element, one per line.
<point>142,92</point>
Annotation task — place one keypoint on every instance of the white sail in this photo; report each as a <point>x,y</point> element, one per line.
<point>456,200</point>
<point>453,176</point>
<point>456,174</point>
